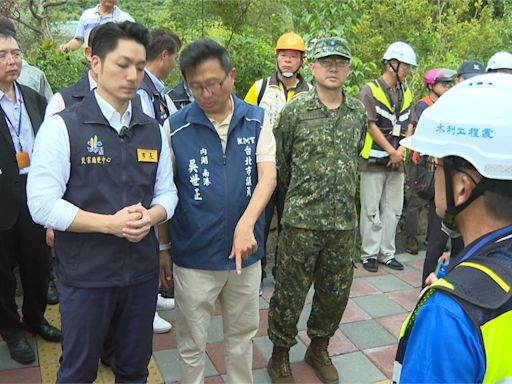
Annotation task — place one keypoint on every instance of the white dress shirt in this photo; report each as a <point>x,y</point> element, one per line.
<point>22,132</point>
<point>51,166</point>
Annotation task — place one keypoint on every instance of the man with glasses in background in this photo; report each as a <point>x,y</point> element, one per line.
<point>22,242</point>
<point>224,156</point>
<point>318,137</point>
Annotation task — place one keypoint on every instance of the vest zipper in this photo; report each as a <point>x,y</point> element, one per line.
<point>124,202</point>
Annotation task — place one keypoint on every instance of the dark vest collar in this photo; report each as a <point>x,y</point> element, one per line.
<point>197,116</point>
<point>91,113</point>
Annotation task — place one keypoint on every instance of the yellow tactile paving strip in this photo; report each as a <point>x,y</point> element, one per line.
<point>49,354</point>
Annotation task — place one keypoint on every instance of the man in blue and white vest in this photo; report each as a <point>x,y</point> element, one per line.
<point>224,157</point>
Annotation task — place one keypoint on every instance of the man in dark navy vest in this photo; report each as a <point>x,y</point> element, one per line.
<point>162,53</point>
<point>22,241</point>
<point>102,177</point>
<point>224,153</point>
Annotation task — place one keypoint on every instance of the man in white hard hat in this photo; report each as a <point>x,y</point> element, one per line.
<point>460,330</point>
<point>500,62</point>
<point>388,103</point>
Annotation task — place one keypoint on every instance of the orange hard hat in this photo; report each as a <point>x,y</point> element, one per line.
<point>290,40</point>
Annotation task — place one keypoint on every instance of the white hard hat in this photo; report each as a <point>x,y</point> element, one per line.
<point>500,60</point>
<point>402,52</point>
<point>472,120</point>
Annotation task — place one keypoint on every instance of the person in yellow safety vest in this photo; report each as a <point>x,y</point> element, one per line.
<point>461,330</point>
<point>272,93</point>
<point>388,103</point>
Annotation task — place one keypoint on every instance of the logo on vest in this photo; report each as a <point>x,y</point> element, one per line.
<point>96,151</point>
<point>246,140</point>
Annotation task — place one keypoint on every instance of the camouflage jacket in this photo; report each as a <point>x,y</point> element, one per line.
<point>317,161</point>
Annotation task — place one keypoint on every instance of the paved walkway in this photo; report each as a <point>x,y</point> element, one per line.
<point>363,348</point>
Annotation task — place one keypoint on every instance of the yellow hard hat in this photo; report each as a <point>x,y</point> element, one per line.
<point>290,40</point>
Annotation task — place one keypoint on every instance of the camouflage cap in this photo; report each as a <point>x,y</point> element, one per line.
<point>333,46</point>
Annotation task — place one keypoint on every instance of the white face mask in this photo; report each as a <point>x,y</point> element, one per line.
<point>287,74</point>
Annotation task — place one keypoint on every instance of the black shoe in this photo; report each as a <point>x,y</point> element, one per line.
<point>52,297</point>
<point>370,265</point>
<point>48,332</point>
<point>167,293</point>
<point>19,348</point>
<point>394,264</point>
<point>411,246</point>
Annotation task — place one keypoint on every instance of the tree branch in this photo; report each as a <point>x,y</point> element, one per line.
<point>19,20</point>
<point>33,10</point>
<point>54,4</point>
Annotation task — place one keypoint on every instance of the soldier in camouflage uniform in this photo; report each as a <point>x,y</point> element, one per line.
<point>319,135</point>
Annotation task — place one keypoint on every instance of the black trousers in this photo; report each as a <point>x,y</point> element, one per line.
<point>437,240</point>
<point>23,245</point>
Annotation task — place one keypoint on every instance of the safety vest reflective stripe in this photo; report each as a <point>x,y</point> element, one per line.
<point>386,119</point>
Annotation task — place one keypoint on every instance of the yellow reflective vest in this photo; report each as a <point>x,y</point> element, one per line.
<point>387,119</point>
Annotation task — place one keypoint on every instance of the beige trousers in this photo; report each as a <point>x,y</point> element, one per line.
<point>382,199</point>
<point>195,292</point>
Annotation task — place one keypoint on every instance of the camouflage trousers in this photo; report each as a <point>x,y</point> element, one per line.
<point>322,258</point>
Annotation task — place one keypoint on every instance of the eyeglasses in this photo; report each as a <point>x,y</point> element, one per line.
<point>212,86</point>
<point>328,62</point>
<point>16,56</point>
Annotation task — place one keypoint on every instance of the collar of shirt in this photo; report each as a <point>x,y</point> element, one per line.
<point>92,82</point>
<point>227,119</point>
<point>113,14</point>
<point>19,99</point>
<point>159,85</point>
<point>113,117</point>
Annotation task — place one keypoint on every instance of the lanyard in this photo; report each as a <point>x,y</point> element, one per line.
<point>9,122</point>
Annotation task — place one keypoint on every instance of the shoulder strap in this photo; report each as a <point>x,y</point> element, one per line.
<point>482,281</point>
<point>262,90</point>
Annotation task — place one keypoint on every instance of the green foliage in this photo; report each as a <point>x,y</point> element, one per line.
<point>443,32</point>
<point>61,70</point>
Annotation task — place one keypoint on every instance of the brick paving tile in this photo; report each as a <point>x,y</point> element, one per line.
<point>416,264</point>
<point>412,278</point>
<point>164,340</point>
<point>393,323</point>
<point>21,375</point>
<point>407,298</point>
<point>353,312</point>
<point>383,358</point>
<point>361,287</point>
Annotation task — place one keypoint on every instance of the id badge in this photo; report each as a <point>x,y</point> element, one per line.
<point>23,159</point>
<point>396,130</point>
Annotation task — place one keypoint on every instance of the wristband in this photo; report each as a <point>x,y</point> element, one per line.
<point>164,247</point>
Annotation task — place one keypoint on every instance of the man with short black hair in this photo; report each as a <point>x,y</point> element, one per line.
<point>22,241</point>
<point>162,53</point>
<point>224,154</point>
<point>102,178</point>
<point>30,75</point>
